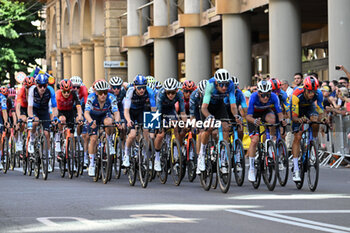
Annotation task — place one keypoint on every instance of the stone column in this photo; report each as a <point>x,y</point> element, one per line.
<point>197,46</point>
<point>236,46</point>
<point>76,67</point>
<point>66,63</point>
<point>53,63</point>
<point>165,54</point>
<point>138,57</point>
<point>99,57</point>
<point>88,63</point>
<point>285,38</point>
<point>338,36</point>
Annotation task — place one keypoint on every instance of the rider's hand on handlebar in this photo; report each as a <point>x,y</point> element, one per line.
<point>284,122</point>
<point>130,124</point>
<point>93,125</point>
<point>257,121</point>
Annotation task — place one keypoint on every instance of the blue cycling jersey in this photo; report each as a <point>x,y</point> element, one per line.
<point>42,102</point>
<point>283,97</point>
<point>94,108</point>
<point>3,101</point>
<point>213,96</point>
<point>240,99</point>
<point>164,103</point>
<point>195,103</point>
<point>256,106</point>
<point>135,101</point>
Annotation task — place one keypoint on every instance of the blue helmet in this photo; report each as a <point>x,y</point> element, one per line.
<point>140,80</point>
<point>41,79</point>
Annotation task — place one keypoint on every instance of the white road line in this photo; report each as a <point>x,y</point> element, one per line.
<point>274,214</point>
<point>310,211</point>
<point>250,214</point>
<point>181,207</point>
<point>290,197</point>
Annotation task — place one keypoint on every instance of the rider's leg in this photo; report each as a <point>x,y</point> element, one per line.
<point>296,149</point>
<point>270,118</point>
<point>315,127</point>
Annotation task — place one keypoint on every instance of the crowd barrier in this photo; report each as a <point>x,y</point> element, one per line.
<point>336,145</point>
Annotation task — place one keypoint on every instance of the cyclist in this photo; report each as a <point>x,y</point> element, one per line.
<point>97,111</point>
<point>282,95</point>
<point>166,99</point>
<point>262,108</point>
<point>3,117</point>
<point>218,88</point>
<point>304,109</point>
<point>137,100</point>
<point>68,106</point>
<point>39,98</point>
<point>119,92</point>
<point>21,108</point>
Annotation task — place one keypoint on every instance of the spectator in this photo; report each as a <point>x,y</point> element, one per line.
<point>286,88</point>
<point>326,91</point>
<point>345,71</point>
<point>313,74</point>
<point>325,83</point>
<point>253,89</point>
<point>298,80</point>
<point>333,84</point>
<point>344,81</point>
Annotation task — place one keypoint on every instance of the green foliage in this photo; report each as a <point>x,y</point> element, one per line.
<point>21,41</point>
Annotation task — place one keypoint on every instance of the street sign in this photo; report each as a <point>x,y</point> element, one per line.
<point>115,64</point>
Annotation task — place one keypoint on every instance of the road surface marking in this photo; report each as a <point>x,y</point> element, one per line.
<point>163,218</point>
<point>48,220</point>
<point>181,207</point>
<point>291,197</point>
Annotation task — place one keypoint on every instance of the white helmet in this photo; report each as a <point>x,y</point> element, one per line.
<point>235,81</point>
<point>76,81</point>
<point>116,81</point>
<point>170,84</point>
<point>201,85</point>
<point>101,85</point>
<point>151,85</point>
<point>222,75</point>
<point>158,84</point>
<point>150,79</point>
<point>91,90</point>
<point>264,86</point>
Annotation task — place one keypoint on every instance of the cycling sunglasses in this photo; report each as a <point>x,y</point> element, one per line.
<point>263,95</point>
<point>65,92</point>
<point>171,92</point>
<point>76,87</point>
<point>42,85</point>
<point>102,92</point>
<point>187,91</point>
<point>224,84</point>
<point>116,87</point>
<point>312,91</point>
<point>141,88</point>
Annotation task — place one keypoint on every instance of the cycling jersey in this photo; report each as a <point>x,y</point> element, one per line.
<point>42,102</point>
<point>94,108</point>
<point>283,97</point>
<point>165,104</point>
<point>195,104</point>
<point>135,101</point>
<point>256,106</point>
<point>67,104</point>
<point>83,93</point>
<point>299,101</point>
<point>22,97</point>
<point>240,99</point>
<point>213,96</point>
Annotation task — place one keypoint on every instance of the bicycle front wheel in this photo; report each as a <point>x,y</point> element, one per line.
<point>176,162</point>
<point>70,157</point>
<point>52,152</point>
<point>283,162</point>
<point>133,164</point>
<point>163,174</point>
<point>239,162</point>
<point>106,160</point>
<point>224,166</point>
<point>117,163</point>
<point>270,164</point>
<point>44,157</point>
<point>37,161</point>
<point>12,154</point>
<point>207,175</point>
<point>258,166</point>
<point>191,168</point>
<point>5,157</point>
<point>312,166</point>
<point>143,163</point>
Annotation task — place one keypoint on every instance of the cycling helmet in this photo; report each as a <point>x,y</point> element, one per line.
<point>4,91</point>
<point>275,83</point>
<point>158,84</point>
<point>222,75</point>
<point>116,81</point>
<point>41,79</point>
<point>151,85</point>
<point>201,86</point>
<point>76,81</point>
<point>170,84</point>
<point>189,85</point>
<point>52,80</point>
<point>140,80</point>
<point>28,82</point>
<point>235,81</point>
<point>101,85</point>
<point>91,90</point>
<point>264,86</point>
<point>12,92</point>
<point>179,85</point>
<point>150,79</point>
<point>311,83</point>
<point>66,85</point>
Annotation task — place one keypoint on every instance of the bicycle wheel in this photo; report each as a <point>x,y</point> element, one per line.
<point>164,156</point>
<point>12,153</point>
<point>150,155</point>
<point>52,153</point>
<point>24,165</point>
<point>176,162</point>
<point>239,162</point>
<point>143,163</point>
<point>283,162</point>
<point>5,156</point>
<point>258,166</point>
<point>106,160</point>
<point>29,160</point>
<point>224,166</point>
<point>44,157</point>
<point>312,166</point>
<point>69,157</point>
<point>133,164</point>
<point>192,166</point>
<point>97,168</point>
<point>301,164</point>
<point>206,177</point>
<point>270,165</point>
<point>77,156</point>
<point>37,162</point>
<point>117,163</point>
<point>81,155</point>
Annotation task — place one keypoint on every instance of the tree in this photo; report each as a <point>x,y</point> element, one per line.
<point>22,42</point>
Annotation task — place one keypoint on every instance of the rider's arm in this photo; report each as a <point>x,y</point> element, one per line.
<point>295,108</point>
<point>181,101</point>
<point>127,104</point>
<point>53,101</point>
<point>206,99</point>
<point>250,112</point>
<point>30,101</point>
<point>77,103</point>
<point>114,106</point>
<point>88,108</point>
<point>232,98</point>
<point>18,109</point>
<point>4,115</point>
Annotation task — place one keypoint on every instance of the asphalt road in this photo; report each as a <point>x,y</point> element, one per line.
<point>81,205</point>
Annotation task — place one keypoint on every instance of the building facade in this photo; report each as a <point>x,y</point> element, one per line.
<point>190,39</point>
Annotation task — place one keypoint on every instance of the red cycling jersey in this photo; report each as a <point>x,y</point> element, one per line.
<point>66,104</point>
<point>22,97</point>
<point>83,93</point>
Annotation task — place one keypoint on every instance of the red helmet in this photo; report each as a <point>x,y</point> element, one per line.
<point>4,91</point>
<point>28,82</point>
<point>311,83</point>
<point>66,85</point>
<point>189,85</point>
<point>275,83</point>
